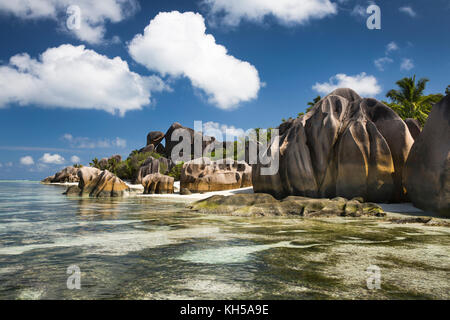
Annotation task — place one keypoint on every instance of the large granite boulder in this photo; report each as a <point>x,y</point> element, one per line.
<point>266,205</point>
<point>98,184</point>
<point>67,175</point>
<point>346,146</point>
<point>427,172</point>
<point>414,127</point>
<point>208,143</point>
<point>204,175</point>
<point>153,165</point>
<point>155,138</point>
<point>158,184</point>
<point>104,163</point>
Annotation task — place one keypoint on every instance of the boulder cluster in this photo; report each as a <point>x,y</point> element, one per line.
<point>98,184</point>
<point>346,146</point>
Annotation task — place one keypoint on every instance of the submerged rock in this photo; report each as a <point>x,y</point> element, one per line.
<point>98,184</point>
<point>158,184</point>
<point>266,205</point>
<point>204,175</point>
<point>427,172</point>
<point>345,146</point>
<point>67,175</point>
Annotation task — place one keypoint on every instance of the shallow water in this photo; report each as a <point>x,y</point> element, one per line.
<point>143,248</point>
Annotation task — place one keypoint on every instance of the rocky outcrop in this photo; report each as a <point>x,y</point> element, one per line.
<point>98,184</point>
<point>152,166</point>
<point>204,175</point>
<point>266,205</point>
<point>67,175</point>
<point>158,184</point>
<point>345,146</point>
<point>104,163</point>
<point>155,138</point>
<point>414,127</point>
<point>427,173</point>
<point>208,143</point>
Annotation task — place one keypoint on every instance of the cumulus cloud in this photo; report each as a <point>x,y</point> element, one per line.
<point>176,44</point>
<point>363,84</point>
<point>408,11</point>
<point>75,159</point>
<point>220,131</point>
<point>94,14</point>
<point>27,161</point>
<point>88,143</point>
<point>75,77</point>
<point>382,62</point>
<point>407,64</point>
<point>392,46</point>
<point>48,158</point>
<point>286,12</point>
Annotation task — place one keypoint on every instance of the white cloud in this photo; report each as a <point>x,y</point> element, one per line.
<point>220,131</point>
<point>406,65</point>
<point>88,143</point>
<point>286,12</point>
<point>94,14</point>
<point>392,46</point>
<point>382,62</point>
<point>75,159</point>
<point>52,159</point>
<point>27,161</point>
<point>359,11</point>
<point>176,44</point>
<point>75,77</point>
<point>362,83</point>
<point>408,10</point>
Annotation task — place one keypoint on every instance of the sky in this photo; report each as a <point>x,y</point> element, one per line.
<point>81,79</point>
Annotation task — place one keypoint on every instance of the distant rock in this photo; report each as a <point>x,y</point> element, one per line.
<point>158,184</point>
<point>67,175</point>
<point>266,205</point>
<point>427,172</point>
<point>414,127</point>
<point>98,184</point>
<point>104,163</point>
<point>153,165</point>
<point>345,146</point>
<point>207,146</point>
<point>185,192</point>
<point>148,149</point>
<point>204,175</point>
<point>155,138</point>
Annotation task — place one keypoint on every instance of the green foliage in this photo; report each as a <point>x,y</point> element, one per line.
<point>176,171</point>
<point>78,166</point>
<point>129,168</point>
<point>410,102</point>
<point>447,91</point>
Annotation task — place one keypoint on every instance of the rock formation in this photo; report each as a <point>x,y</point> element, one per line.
<point>266,205</point>
<point>427,172</point>
<point>414,127</point>
<point>155,138</point>
<point>204,175</point>
<point>98,184</point>
<point>153,165</point>
<point>345,146</point>
<point>103,163</point>
<point>158,184</point>
<point>67,175</point>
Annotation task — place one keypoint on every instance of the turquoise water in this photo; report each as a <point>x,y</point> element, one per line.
<point>142,248</point>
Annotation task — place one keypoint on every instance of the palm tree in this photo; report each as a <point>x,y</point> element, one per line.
<point>95,163</point>
<point>410,102</point>
<point>313,103</point>
<point>447,91</point>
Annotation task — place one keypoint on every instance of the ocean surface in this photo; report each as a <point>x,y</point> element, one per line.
<point>144,248</point>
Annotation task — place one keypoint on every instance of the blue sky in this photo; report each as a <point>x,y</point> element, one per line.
<point>276,60</point>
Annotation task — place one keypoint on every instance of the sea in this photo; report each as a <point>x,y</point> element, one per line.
<point>56,247</point>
